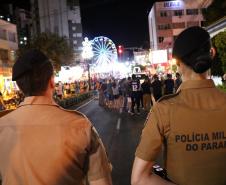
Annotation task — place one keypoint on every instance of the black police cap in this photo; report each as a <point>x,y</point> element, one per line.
<point>26,62</point>
<point>189,41</point>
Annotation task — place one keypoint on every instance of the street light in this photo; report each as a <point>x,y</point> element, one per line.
<point>87,54</point>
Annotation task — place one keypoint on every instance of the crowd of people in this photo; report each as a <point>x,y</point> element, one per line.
<point>64,90</point>
<point>114,94</point>
<point>130,92</point>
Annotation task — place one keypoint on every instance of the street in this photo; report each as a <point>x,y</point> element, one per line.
<point>120,133</point>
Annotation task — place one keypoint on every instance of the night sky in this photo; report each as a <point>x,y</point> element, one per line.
<point>123,21</point>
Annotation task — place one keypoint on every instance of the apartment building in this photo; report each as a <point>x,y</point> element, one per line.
<point>168,19</point>
<point>61,17</point>
<point>8,47</point>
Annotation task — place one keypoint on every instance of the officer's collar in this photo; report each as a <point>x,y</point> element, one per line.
<point>197,84</point>
<point>38,100</point>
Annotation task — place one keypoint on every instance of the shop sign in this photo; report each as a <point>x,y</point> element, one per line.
<point>172,4</point>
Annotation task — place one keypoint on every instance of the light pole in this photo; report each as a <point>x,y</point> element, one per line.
<point>87,54</point>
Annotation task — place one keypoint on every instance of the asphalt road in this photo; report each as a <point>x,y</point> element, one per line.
<point>120,133</point>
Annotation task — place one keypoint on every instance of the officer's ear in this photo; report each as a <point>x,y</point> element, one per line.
<point>212,52</point>
<point>52,82</point>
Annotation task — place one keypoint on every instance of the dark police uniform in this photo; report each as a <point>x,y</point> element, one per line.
<point>192,127</point>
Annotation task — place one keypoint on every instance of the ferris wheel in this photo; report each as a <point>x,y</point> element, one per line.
<point>104,51</point>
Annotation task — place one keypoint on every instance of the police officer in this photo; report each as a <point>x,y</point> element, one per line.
<point>190,124</point>
<point>41,143</point>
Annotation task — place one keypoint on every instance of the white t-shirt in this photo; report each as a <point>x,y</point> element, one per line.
<point>115,90</point>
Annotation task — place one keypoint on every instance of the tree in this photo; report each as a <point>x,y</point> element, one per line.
<point>56,48</point>
<point>215,11</point>
<point>219,63</point>
<point>216,68</point>
<point>174,68</point>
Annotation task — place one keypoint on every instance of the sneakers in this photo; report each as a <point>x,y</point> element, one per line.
<point>131,113</point>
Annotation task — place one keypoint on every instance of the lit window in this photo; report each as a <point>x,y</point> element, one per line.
<point>164,26</point>
<point>192,11</point>
<point>163,14</point>
<point>73,28</point>
<point>179,12</point>
<point>79,34</point>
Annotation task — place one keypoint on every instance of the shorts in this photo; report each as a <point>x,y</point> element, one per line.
<point>116,97</point>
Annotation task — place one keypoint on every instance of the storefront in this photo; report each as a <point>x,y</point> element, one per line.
<point>8,88</point>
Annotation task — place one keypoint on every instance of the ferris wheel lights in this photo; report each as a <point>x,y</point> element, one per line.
<point>104,51</point>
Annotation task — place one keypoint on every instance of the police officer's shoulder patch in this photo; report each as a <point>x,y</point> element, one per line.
<point>170,96</point>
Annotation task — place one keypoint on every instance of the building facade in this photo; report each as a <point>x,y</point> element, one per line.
<point>8,47</point>
<point>20,17</point>
<point>61,17</point>
<point>23,21</point>
<point>168,19</point>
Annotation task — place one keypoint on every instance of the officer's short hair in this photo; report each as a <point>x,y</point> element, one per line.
<point>32,72</point>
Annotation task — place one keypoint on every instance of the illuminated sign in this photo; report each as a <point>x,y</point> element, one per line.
<point>159,57</point>
<point>136,70</point>
<point>172,4</point>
